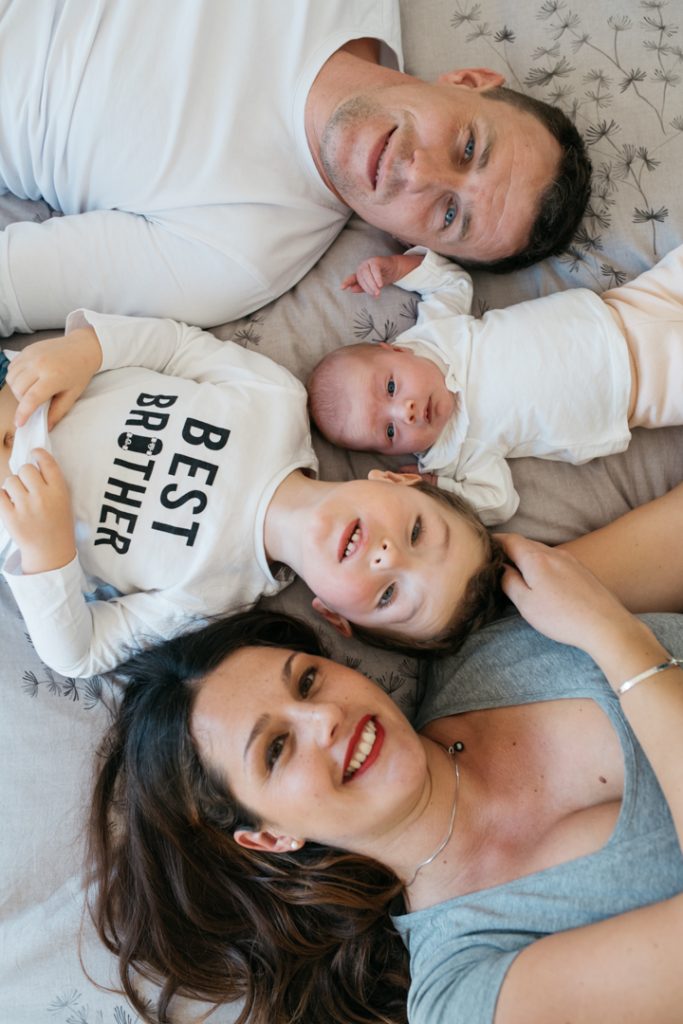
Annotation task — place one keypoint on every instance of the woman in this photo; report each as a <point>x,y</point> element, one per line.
<point>275,806</point>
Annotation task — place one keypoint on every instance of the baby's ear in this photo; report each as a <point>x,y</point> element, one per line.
<point>336,620</point>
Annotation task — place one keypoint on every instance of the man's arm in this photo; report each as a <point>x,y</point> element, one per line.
<point>120,263</point>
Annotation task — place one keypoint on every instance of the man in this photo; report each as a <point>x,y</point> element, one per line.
<point>205,154</point>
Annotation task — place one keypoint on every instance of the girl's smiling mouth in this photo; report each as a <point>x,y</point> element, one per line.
<point>351,540</point>
<point>364,747</point>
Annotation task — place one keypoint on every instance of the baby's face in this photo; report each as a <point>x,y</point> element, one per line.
<point>396,402</point>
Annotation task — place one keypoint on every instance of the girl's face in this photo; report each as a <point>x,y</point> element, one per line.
<point>315,750</point>
<point>383,554</point>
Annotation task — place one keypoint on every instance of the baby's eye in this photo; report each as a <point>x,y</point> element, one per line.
<point>468,151</point>
<point>306,681</point>
<point>449,216</point>
<point>391,387</point>
<point>391,431</point>
<point>416,531</point>
<point>274,750</point>
<point>387,596</point>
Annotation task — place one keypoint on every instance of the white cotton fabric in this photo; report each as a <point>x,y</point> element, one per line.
<point>182,195</point>
<point>549,377</point>
<point>172,457</point>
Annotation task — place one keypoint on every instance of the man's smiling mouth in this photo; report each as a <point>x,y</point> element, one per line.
<point>376,161</point>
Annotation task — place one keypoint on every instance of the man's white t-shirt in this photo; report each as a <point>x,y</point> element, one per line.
<point>171,136</point>
<point>172,458</point>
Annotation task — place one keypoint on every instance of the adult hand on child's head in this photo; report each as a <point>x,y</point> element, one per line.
<point>57,370</point>
<point>559,596</point>
<point>35,509</point>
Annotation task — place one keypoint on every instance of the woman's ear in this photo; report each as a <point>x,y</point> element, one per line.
<point>389,477</point>
<point>472,78</point>
<point>260,839</point>
<point>336,620</point>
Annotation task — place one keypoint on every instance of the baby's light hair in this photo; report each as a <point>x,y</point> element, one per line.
<point>323,393</point>
<point>482,601</point>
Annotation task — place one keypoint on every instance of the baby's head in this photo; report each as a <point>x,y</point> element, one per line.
<point>408,567</point>
<point>380,398</point>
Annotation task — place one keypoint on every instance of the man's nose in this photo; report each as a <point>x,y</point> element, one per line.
<point>425,169</point>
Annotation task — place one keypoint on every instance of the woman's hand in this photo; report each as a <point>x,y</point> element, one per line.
<point>35,509</point>
<point>371,275</point>
<point>560,597</point>
<point>56,369</point>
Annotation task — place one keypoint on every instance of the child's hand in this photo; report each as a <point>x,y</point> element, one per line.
<point>57,368</point>
<point>371,275</point>
<point>35,509</point>
<point>559,597</point>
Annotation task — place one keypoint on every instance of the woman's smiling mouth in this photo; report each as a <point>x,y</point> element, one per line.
<point>364,747</point>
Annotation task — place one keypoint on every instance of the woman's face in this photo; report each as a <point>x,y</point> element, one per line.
<point>315,750</point>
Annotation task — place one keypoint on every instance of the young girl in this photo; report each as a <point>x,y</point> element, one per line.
<point>564,377</point>
<point>188,471</point>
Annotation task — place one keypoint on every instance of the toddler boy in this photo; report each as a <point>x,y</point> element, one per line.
<point>562,377</point>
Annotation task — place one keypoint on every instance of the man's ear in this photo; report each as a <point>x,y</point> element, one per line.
<point>341,624</point>
<point>481,79</point>
<point>389,477</point>
<point>260,839</point>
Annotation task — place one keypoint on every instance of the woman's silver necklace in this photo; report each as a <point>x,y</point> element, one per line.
<point>455,748</point>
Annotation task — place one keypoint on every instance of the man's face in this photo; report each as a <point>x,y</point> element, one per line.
<point>394,402</point>
<point>441,165</point>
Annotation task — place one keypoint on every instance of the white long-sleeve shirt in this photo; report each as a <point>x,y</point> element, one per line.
<point>170,134</point>
<point>172,457</point>
<point>549,377</point>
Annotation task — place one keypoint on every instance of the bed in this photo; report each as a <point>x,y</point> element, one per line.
<point>618,71</point>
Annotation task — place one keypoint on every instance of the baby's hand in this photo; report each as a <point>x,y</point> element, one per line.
<point>373,274</point>
<point>56,368</point>
<point>35,509</point>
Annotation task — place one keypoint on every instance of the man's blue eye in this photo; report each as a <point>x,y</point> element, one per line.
<point>391,386</point>
<point>449,216</point>
<point>386,597</point>
<point>469,148</point>
<point>391,431</point>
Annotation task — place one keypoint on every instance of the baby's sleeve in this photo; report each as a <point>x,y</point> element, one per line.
<point>444,287</point>
<point>485,481</point>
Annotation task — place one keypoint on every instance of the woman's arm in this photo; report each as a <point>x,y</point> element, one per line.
<point>639,556</point>
<point>627,968</point>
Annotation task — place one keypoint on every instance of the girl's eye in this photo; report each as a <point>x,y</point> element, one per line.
<point>449,216</point>
<point>469,148</point>
<point>391,431</point>
<point>391,387</point>
<point>387,596</point>
<point>274,750</point>
<point>416,531</point>
<point>306,682</point>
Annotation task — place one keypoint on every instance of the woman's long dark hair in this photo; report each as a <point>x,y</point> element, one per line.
<point>302,938</point>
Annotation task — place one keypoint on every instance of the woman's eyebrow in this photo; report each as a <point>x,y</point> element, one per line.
<point>262,721</point>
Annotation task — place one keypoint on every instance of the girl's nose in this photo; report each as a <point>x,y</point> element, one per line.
<point>384,554</point>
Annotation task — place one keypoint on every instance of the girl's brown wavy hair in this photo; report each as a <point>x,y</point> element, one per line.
<point>301,938</point>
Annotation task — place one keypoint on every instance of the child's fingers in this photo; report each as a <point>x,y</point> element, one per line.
<point>47,466</point>
<point>513,585</point>
<point>351,282</point>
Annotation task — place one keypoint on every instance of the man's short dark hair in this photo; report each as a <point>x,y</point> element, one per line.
<point>562,205</point>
